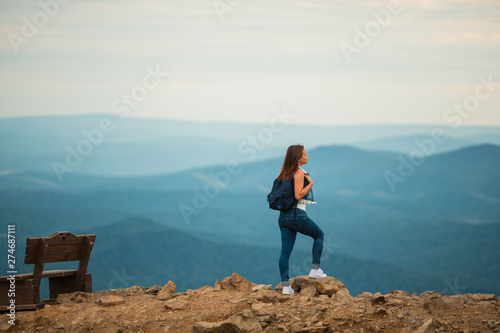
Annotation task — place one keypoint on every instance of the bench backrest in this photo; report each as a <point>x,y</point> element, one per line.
<point>58,247</point>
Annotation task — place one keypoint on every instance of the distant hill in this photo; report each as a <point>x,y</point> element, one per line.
<point>408,143</point>
<point>133,146</point>
<point>462,186</point>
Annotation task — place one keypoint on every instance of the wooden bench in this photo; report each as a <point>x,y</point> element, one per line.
<point>58,247</point>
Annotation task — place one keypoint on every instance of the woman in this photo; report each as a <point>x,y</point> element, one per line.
<point>296,220</point>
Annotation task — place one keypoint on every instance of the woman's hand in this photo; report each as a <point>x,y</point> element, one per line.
<point>306,176</point>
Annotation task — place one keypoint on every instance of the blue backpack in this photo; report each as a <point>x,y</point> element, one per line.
<point>282,196</point>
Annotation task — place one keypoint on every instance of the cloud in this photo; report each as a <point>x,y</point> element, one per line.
<point>262,54</point>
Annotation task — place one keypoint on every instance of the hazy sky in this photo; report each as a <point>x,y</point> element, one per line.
<point>328,62</point>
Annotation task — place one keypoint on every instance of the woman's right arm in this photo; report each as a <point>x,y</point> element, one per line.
<point>299,188</point>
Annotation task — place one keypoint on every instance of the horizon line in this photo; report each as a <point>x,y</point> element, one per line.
<point>236,122</point>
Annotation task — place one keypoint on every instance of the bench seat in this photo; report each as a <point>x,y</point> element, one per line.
<point>46,274</point>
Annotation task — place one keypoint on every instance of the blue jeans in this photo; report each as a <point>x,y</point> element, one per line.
<point>289,226</point>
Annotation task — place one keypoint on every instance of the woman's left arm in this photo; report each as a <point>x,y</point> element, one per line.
<point>299,188</point>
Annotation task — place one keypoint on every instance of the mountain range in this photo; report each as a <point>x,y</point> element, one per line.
<point>437,227</point>
<point>114,146</point>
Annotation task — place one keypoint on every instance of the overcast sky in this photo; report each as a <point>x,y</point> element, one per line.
<point>328,62</point>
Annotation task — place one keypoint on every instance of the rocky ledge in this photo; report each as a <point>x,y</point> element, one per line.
<point>236,305</point>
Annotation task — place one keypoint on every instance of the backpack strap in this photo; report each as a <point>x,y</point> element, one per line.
<point>295,208</point>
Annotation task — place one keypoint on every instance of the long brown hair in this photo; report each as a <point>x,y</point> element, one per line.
<point>291,163</point>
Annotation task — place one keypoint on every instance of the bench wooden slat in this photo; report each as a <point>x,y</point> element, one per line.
<point>58,240</point>
<point>59,273</point>
<point>33,242</point>
<point>20,295</point>
<point>45,274</point>
<point>54,258</point>
<point>19,277</point>
<point>31,251</point>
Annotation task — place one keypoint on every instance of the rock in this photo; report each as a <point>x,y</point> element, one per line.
<point>424,327</point>
<point>236,282</point>
<point>487,304</point>
<point>482,297</point>
<point>262,309</point>
<point>262,286</point>
<point>81,294</point>
<point>244,322</point>
<point>134,290</point>
<point>399,293</point>
<point>264,320</point>
<point>80,299</point>
<point>203,290</point>
<point>430,295</point>
<point>77,297</point>
<point>309,291</point>
<point>379,300</point>
<point>207,327</point>
<point>296,327</point>
<point>491,324</point>
<point>315,329</point>
<point>380,311</point>
<point>442,303</point>
<point>175,304</point>
<point>452,302</point>
<point>265,295</point>
<point>110,300</point>
<point>342,296</point>
<point>396,302</point>
<point>127,291</point>
<point>167,292</point>
<point>237,300</point>
<point>153,290</point>
<point>463,298</point>
<point>325,286</point>
<point>282,298</point>
<point>366,294</point>
<point>217,286</point>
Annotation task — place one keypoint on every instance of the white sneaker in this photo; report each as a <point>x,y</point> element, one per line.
<point>287,290</point>
<point>317,273</point>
